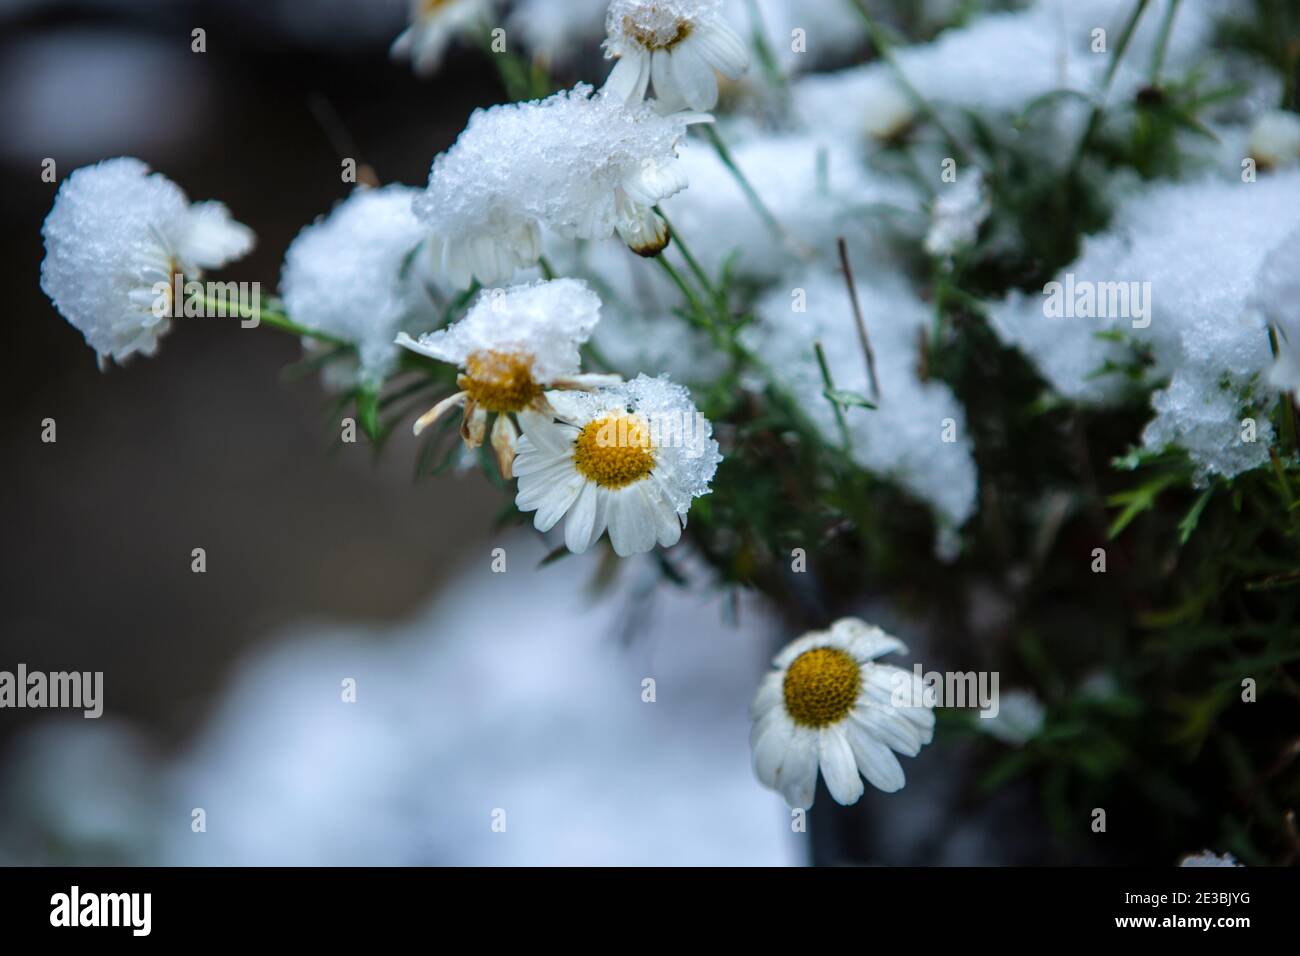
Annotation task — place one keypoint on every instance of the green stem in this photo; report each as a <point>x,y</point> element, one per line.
<point>830,389</point>
<point>685,289</point>
<point>1162,43</point>
<point>691,261</point>
<point>547,269</point>
<point>275,320</point>
<point>766,58</point>
<point>724,154</point>
<point>1094,119</point>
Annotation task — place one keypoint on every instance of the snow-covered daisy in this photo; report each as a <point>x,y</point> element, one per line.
<point>629,459</point>
<point>829,705</point>
<point>583,164</point>
<point>116,236</point>
<point>677,45</point>
<point>511,346</point>
<point>359,275</point>
<point>433,25</point>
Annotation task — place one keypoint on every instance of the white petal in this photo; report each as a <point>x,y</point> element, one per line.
<point>865,641</point>
<point>876,761</point>
<point>630,76</point>
<point>631,521</point>
<point>796,778</point>
<point>723,49</point>
<point>890,728</point>
<point>768,694</point>
<point>438,410</point>
<point>549,438</point>
<point>695,79</point>
<point>665,86</point>
<point>769,742</point>
<point>838,764</point>
<point>668,524</point>
<point>586,519</point>
<point>555,505</point>
<point>213,238</point>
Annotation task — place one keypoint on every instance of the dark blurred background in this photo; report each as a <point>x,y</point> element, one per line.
<point>205,445</point>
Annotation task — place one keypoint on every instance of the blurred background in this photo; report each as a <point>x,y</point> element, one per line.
<point>223,689</point>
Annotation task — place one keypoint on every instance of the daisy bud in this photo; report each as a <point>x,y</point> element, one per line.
<point>117,235</point>
<point>829,706</point>
<point>359,274</point>
<point>629,459</point>
<point>676,44</point>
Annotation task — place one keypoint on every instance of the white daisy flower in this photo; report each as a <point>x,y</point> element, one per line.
<point>629,459</point>
<point>583,165</point>
<point>677,44</point>
<point>1275,139</point>
<point>359,274</point>
<point>117,232</point>
<point>433,25</point>
<point>512,345</point>
<point>829,705</point>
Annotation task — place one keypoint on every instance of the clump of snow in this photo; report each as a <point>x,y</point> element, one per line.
<point>904,438</point>
<point>814,186</point>
<point>115,232</point>
<point>574,162</point>
<point>656,23</point>
<point>957,214</point>
<point>360,275</point>
<point>1003,61</point>
<point>1189,256</point>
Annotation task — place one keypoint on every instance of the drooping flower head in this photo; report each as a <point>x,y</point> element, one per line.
<point>511,347</point>
<point>115,233</point>
<point>677,45</point>
<point>829,705</point>
<point>359,275</point>
<point>433,25</point>
<point>629,459</point>
<point>583,165</point>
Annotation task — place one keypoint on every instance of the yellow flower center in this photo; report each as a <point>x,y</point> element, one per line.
<point>654,39</point>
<point>821,687</point>
<point>500,381</point>
<point>429,7</point>
<point>614,451</point>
